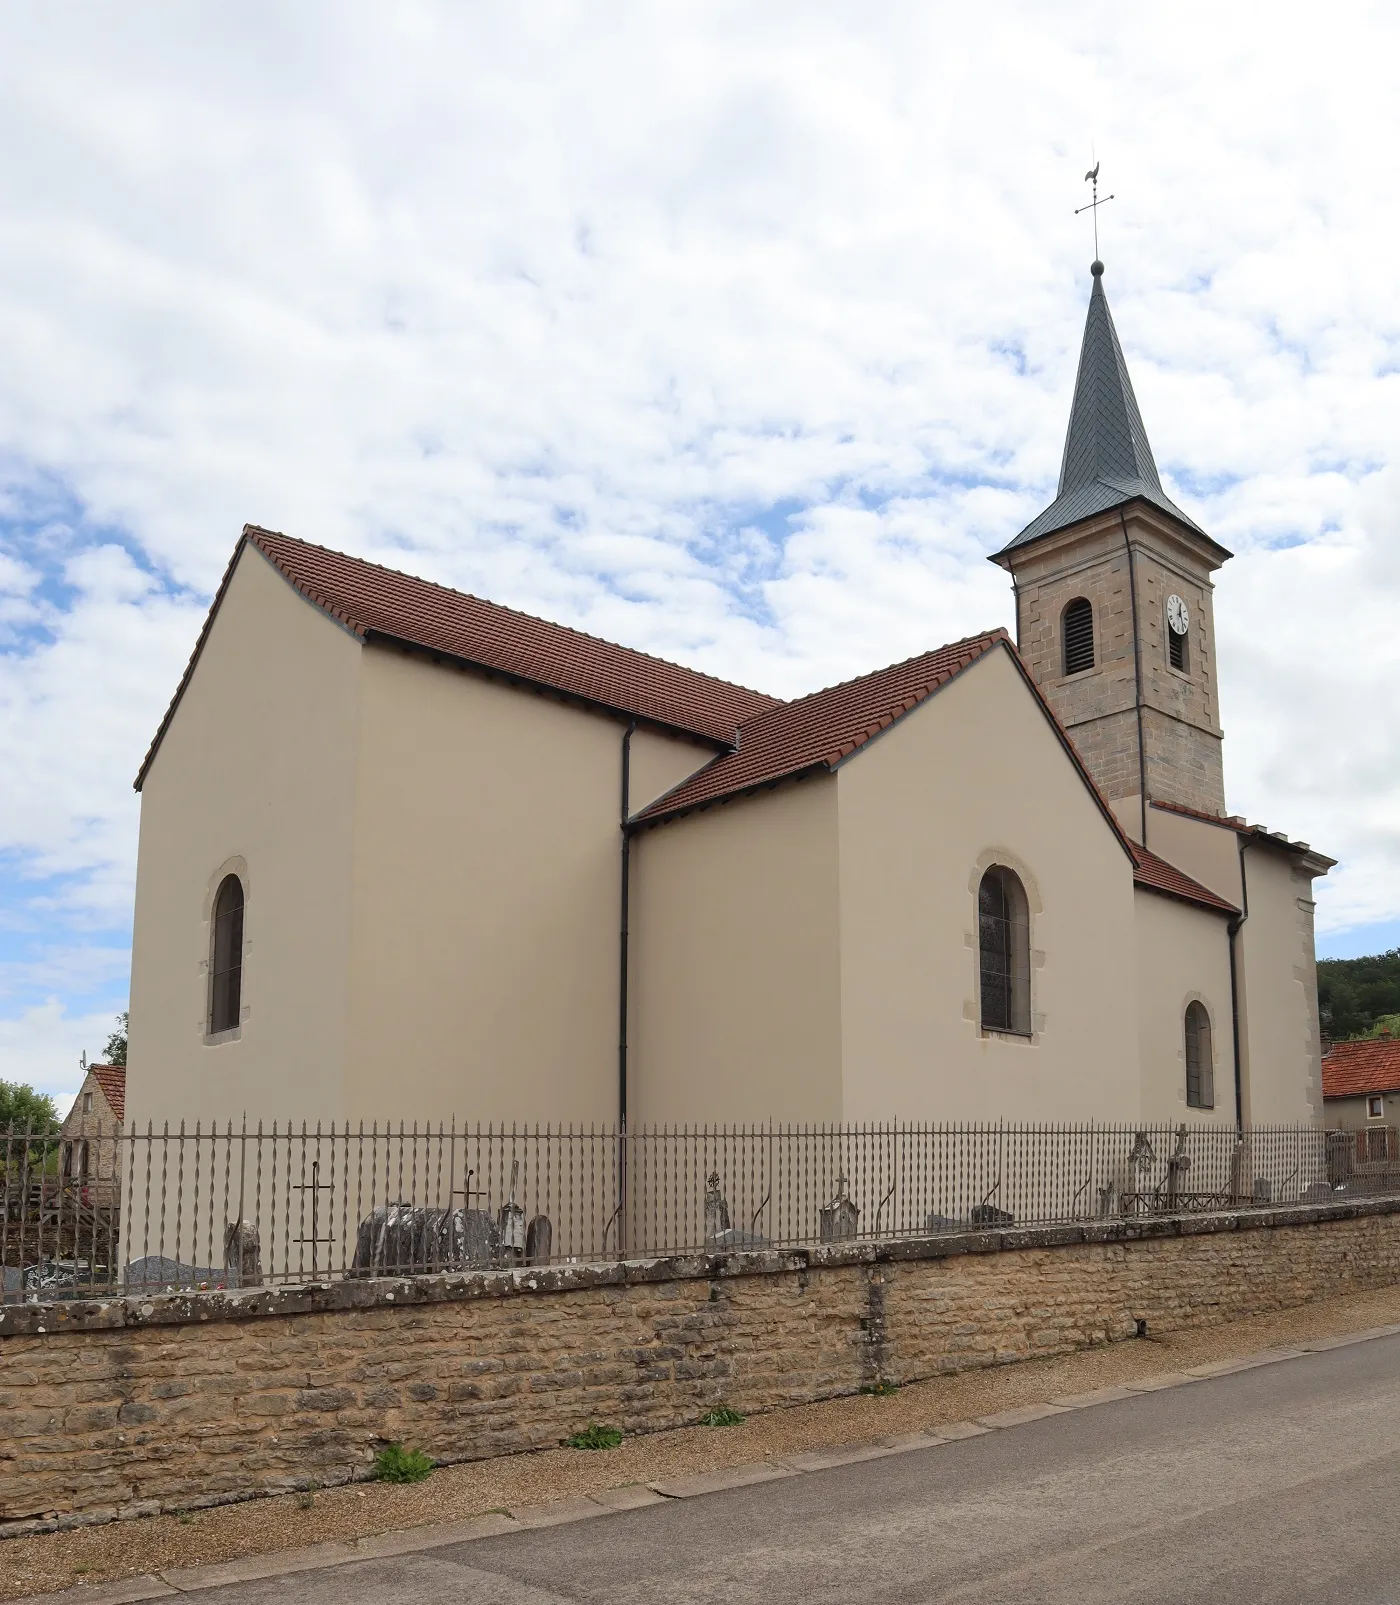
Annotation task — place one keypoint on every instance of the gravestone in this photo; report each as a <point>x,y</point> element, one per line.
<point>510,1221</point>
<point>243,1254</point>
<point>838,1219</point>
<point>716,1208</point>
<point>936,1223</point>
<point>154,1273</point>
<point>539,1241</point>
<point>720,1235</point>
<point>408,1240</point>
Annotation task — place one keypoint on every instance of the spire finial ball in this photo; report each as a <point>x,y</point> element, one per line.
<point>1096,268</point>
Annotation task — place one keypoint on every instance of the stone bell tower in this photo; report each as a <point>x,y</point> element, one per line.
<point>1114,601</point>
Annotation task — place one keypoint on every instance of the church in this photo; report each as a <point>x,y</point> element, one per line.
<point>409,855</point>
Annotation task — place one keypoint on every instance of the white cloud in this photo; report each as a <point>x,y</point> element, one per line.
<point>740,334</point>
<point>40,1048</point>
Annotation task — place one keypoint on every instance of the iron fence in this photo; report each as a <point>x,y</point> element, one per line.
<point>240,1206</point>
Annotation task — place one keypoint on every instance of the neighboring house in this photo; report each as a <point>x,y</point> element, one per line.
<point>408,855</point>
<point>89,1154</point>
<point>1361,1084</point>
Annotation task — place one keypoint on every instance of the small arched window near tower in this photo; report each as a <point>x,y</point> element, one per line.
<point>1200,1059</point>
<point>226,958</point>
<point>1077,632</point>
<point>1004,952</point>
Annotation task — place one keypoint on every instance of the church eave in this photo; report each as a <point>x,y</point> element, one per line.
<point>522,682</point>
<point>1173,515</point>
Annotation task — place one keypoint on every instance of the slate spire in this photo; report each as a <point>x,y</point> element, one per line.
<point>1107,458</point>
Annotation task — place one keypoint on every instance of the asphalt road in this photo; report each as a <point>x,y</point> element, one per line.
<point>1275,1485</point>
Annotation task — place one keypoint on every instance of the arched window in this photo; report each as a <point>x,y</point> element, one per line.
<point>1077,633</point>
<point>226,959</point>
<point>1200,1059</point>
<point>1004,951</point>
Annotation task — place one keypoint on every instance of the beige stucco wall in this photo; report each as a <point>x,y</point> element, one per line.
<point>736,983</point>
<point>431,866</point>
<point>1280,1045</point>
<point>1183,955</point>
<point>255,773</point>
<point>484,977</point>
<point>973,776</point>
<point>1207,853</point>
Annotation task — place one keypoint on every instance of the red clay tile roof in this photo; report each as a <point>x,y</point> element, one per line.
<point>1352,1069</point>
<point>772,740</point>
<point>112,1079</point>
<point>1242,827</point>
<point>820,730</point>
<point>1157,875</point>
<point>372,601</point>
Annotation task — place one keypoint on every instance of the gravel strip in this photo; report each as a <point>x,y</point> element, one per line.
<point>943,1406</point>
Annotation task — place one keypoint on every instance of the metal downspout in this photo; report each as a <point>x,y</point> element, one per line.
<point>1137,670</point>
<point>1234,928</point>
<point>623,929</point>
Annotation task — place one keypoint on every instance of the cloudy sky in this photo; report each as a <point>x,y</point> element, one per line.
<point>737,333</point>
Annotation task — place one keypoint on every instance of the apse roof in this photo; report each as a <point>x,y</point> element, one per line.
<point>1107,460</point>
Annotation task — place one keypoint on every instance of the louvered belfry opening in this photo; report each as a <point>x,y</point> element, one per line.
<point>226,966</point>
<point>1176,649</point>
<point>1077,628</point>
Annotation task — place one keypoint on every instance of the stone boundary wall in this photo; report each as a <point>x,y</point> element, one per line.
<point>125,1407</point>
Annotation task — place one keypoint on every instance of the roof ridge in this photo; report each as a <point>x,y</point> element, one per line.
<point>254,531</point>
<point>1000,632</point>
<point>784,742</point>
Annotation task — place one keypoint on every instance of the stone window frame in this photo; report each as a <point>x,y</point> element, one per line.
<point>1197,1000</point>
<point>1004,858</point>
<point>238,867</point>
<point>1066,673</point>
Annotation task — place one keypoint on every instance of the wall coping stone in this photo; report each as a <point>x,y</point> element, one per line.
<point>127,1311</point>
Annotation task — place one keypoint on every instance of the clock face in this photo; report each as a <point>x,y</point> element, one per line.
<point>1177,615</point>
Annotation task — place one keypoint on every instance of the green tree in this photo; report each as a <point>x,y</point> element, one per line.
<point>21,1107</point>
<point>1354,994</point>
<point>115,1051</point>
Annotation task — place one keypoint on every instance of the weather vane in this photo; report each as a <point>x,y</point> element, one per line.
<point>1092,177</point>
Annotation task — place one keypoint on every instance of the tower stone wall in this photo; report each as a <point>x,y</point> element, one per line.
<point>1180,754</point>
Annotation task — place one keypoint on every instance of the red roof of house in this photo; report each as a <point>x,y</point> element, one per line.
<point>1352,1069</point>
<point>376,602</point>
<point>112,1079</point>
<point>820,730</point>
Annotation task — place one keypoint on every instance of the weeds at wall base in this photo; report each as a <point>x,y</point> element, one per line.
<point>594,1436</point>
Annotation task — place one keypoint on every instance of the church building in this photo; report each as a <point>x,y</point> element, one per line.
<point>409,855</point>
